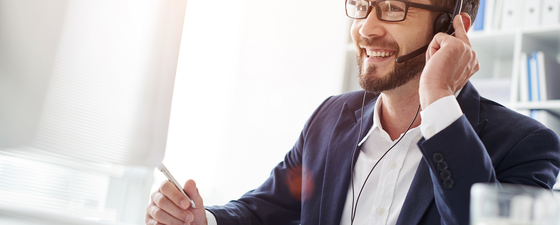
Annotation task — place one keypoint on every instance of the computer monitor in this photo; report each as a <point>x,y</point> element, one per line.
<point>89,79</point>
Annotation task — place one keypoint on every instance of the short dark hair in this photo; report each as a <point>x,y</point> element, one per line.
<point>469,6</point>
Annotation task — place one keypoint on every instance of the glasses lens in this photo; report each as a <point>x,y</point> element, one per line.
<point>391,10</point>
<point>357,9</point>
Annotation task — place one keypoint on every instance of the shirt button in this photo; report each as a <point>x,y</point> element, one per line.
<point>393,165</point>
<point>380,211</point>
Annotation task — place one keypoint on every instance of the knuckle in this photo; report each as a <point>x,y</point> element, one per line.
<point>150,221</point>
<point>158,200</point>
<point>154,194</point>
<point>158,214</point>
<point>150,210</point>
<point>163,186</point>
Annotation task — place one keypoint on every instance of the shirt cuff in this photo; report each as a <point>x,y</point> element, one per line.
<point>439,115</point>
<point>210,218</point>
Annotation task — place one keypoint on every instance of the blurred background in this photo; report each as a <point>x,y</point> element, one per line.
<point>92,81</point>
<point>249,75</point>
<point>96,93</point>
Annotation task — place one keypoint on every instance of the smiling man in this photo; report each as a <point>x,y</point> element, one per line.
<point>404,151</point>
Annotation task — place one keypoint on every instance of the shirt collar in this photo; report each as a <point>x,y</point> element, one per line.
<point>377,120</point>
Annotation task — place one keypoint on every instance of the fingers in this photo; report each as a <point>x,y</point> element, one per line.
<point>435,45</point>
<point>176,196</point>
<point>168,206</point>
<point>157,215</point>
<point>164,203</point>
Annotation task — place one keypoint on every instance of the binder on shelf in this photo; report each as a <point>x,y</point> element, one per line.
<point>523,78</point>
<point>497,17</point>
<point>532,13</point>
<point>489,14</point>
<point>510,14</point>
<point>548,70</point>
<point>533,78</point>
<point>547,118</point>
<point>480,17</point>
<point>550,12</point>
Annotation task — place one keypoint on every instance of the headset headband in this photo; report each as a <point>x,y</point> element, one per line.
<point>458,6</point>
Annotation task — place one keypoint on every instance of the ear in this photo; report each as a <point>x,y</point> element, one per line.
<point>466,20</point>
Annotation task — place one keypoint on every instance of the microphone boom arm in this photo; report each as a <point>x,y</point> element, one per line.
<point>412,54</point>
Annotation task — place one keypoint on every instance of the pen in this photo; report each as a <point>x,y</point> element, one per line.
<point>164,170</point>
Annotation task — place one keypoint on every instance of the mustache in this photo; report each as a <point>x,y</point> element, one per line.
<point>379,42</point>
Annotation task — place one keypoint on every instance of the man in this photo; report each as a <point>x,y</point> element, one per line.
<point>406,169</point>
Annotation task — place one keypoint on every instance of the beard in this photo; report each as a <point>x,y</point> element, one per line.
<point>401,73</point>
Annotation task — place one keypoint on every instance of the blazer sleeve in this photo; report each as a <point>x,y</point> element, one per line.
<point>458,158</point>
<point>277,200</point>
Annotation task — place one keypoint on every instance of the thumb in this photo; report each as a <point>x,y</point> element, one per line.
<point>192,191</point>
<point>199,212</point>
<point>460,31</point>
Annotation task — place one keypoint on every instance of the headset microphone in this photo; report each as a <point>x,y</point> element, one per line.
<point>444,23</point>
<point>413,54</point>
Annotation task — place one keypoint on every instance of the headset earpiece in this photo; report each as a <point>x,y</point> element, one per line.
<point>443,24</point>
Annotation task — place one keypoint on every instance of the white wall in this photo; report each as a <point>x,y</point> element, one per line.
<point>250,73</point>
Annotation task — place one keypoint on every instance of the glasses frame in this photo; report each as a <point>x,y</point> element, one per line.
<point>407,4</point>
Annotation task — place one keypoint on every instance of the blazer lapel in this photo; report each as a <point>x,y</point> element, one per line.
<point>418,198</point>
<point>339,158</point>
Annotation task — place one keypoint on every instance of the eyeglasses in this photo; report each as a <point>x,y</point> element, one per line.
<point>386,10</point>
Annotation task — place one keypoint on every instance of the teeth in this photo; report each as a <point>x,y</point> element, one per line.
<point>378,54</point>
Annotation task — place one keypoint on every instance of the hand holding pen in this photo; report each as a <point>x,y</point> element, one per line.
<point>172,204</point>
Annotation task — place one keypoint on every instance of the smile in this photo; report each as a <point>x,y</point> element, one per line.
<point>379,54</point>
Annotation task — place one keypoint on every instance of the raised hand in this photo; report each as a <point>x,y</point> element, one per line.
<point>169,206</point>
<point>450,62</point>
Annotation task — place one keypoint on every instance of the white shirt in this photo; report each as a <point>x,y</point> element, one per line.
<point>382,196</point>
<point>385,191</point>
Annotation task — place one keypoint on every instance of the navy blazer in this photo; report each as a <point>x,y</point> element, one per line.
<point>489,143</point>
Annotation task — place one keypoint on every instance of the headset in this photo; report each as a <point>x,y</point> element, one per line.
<point>443,24</point>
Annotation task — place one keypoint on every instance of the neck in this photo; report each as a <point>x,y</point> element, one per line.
<point>398,108</point>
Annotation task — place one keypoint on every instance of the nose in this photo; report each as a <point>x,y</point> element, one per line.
<point>372,26</point>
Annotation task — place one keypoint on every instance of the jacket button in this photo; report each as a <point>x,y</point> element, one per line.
<point>437,157</point>
<point>445,175</point>
<point>448,183</point>
<point>442,166</point>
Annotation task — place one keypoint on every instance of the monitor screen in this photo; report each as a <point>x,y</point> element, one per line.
<point>89,79</point>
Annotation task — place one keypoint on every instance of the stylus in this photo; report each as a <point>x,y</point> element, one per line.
<point>164,170</point>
